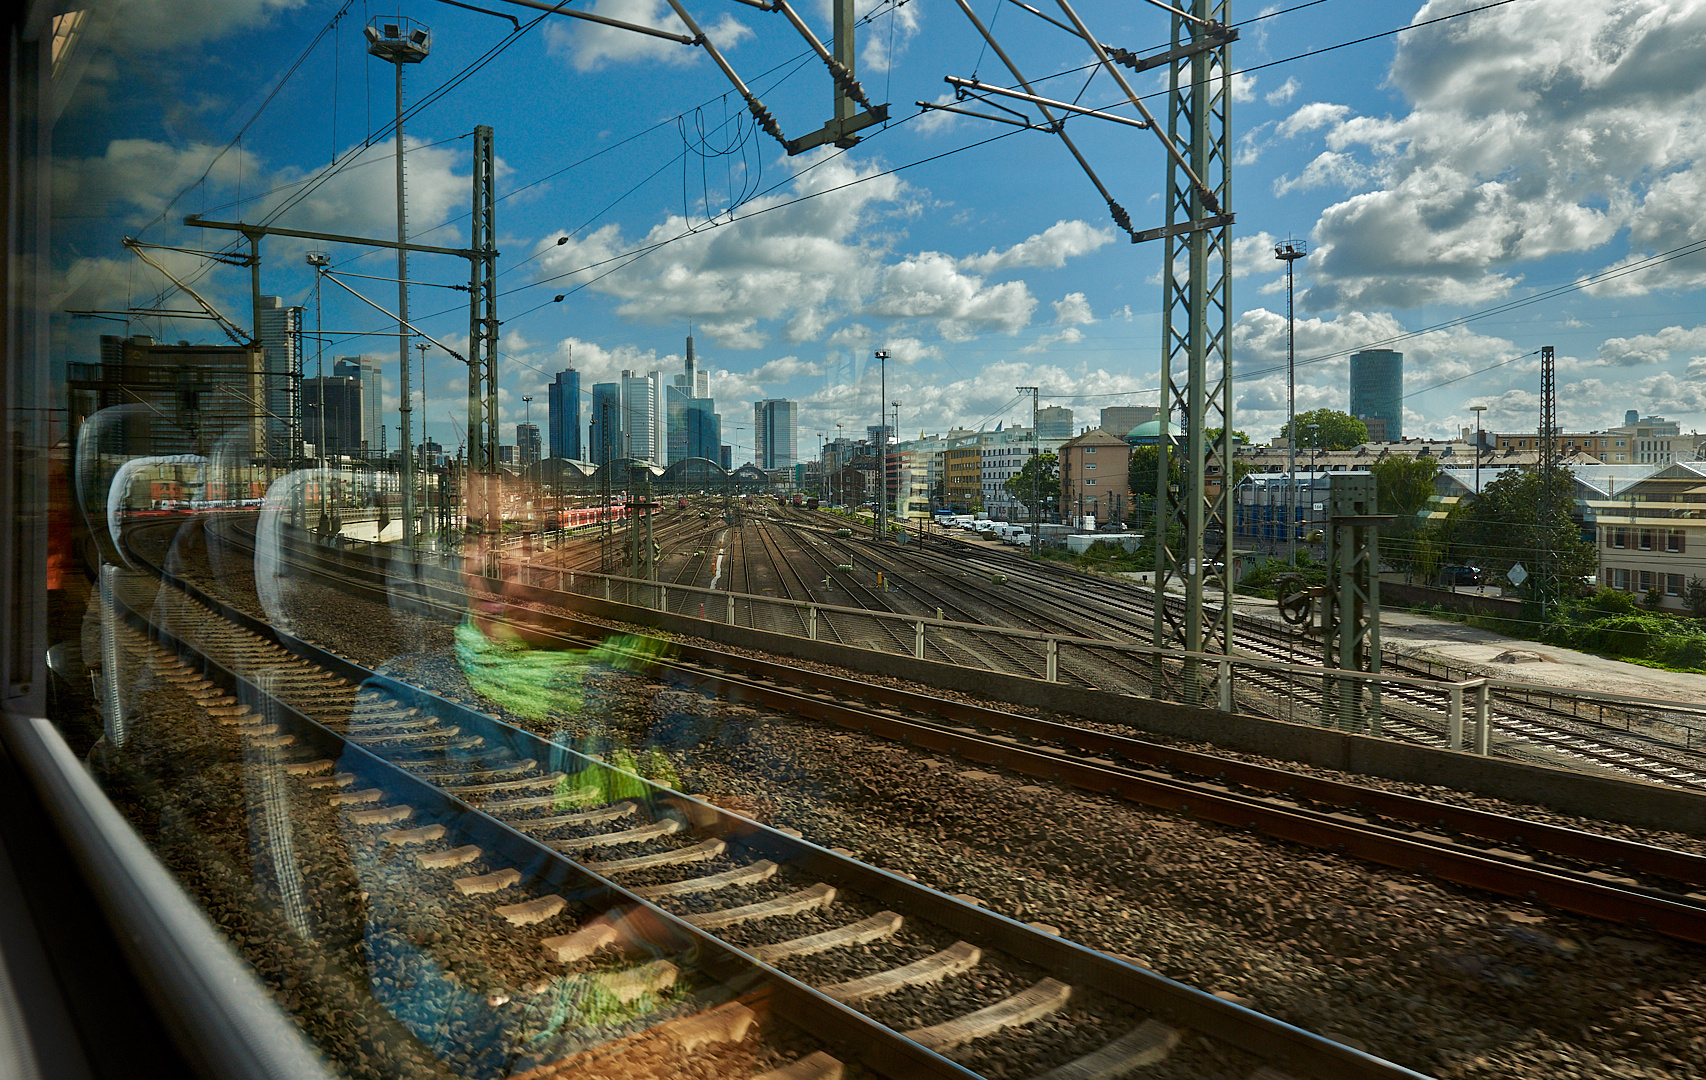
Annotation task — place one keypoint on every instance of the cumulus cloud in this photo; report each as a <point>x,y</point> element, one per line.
<point>1073,309</point>
<point>931,286</point>
<point>977,400</point>
<point>1052,247</point>
<point>805,266</point>
<point>1282,93</point>
<point>1316,114</point>
<point>1069,336</point>
<point>1328,168</point>
<point>1652,348</point>
<point>784,368</point>
<point>133,182</point>
<point>1524,139</point>
<point>590,46</point>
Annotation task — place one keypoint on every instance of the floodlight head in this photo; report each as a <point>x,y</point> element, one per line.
<point>398,40</point>
<point>319,258</point>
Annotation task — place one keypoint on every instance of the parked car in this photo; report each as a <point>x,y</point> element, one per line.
<point>1462,575</point>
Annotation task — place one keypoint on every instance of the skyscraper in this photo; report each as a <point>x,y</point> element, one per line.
<point>642,417</point>
<point>693,428</point>
<point>1120,419</point>
<point>279,331</point>
<point>606,429</point>
<point>563,420</point>
<point>1377,389</point>
<point>366,369</point>
<point>775,423</point>
<point>336,400</point>
<point>1055,422</point>
<point>527,444</point>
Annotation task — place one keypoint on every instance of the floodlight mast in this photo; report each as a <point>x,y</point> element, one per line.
<point>401,42</point>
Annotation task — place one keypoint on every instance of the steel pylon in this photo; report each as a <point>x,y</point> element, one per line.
<point>1193,540</point>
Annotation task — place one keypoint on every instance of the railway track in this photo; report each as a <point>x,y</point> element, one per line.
<point>592,877</point>
<point>1582,872</point>
<point>1109,611</point>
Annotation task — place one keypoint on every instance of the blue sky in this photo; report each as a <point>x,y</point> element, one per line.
<point>1437,175</point>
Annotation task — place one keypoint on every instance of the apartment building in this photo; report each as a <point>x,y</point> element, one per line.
<point>1652,534</point>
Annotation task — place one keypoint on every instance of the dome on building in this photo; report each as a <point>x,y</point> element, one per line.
<point>1148,434</point>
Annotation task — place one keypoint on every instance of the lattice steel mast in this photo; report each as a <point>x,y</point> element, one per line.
<point>1192,542</point>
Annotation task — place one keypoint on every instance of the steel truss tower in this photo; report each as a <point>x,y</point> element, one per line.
<point>1193,538</point>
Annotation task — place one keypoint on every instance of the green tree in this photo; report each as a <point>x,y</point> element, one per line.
<point>1145,460</point>
<point>1694,596</point>
<point>1405,484</point>
<point>1502,527</point>
<point>1327,429</point>
<point>1047,481</point>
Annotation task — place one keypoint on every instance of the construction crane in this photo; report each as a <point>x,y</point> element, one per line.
<point>232,330</point>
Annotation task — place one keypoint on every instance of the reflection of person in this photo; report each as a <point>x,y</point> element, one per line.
<point>537,688</point>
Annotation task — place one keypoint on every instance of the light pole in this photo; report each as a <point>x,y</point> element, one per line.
<point>319,260</point>
<point>1477,410</point>
<point>839,436</point>
<point>402,42</point>
<point>882,447</point>
<point>1289,252</point>
<point>427,463</point>
<point>897,494</point>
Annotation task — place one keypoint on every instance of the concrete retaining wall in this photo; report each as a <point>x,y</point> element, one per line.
<point>1468,603</point>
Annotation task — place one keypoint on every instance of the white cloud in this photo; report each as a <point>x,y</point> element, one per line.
<point>784,368</point>
<point>1525,138</point>
<point>590,46</point>
<point>935,121</point>
<point>1069,336</point>
<point>1052,247</point>
<point>1316,114</point>
<point>1073,309</point>
<point>890,33</point>
<point>807,265</point>
<point>1328,168</point>
<point>1243,87</point>
<point>1283,93</point>
<point>931,286</point>
<point>1652,348</point>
